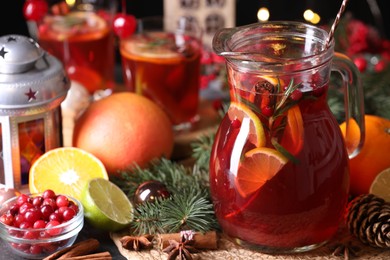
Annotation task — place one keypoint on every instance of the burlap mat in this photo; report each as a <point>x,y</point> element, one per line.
<point>228,250</point>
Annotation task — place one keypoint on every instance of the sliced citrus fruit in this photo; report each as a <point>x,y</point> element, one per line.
<point>292,139</point>
<point>240,111</point>
<point>258,166</point>
<point>106,206</point>
<point>381,185</point>
<point>65,170</point>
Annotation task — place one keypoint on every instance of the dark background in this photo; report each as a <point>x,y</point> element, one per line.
<point>12,21</point>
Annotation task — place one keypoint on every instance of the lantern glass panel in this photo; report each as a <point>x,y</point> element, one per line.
<point>2,176</point>
<point>31,144</point>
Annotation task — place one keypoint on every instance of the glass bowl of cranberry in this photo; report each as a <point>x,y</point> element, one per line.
<point>35,226</point>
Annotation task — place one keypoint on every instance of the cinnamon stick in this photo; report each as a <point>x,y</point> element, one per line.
<point>97,256</point>
<point>78,249</point>
<point>207,240</point>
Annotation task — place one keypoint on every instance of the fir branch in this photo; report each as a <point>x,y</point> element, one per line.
<point>174,175</point>
<point>147,218</point>
<point>191,212</point>
<point>201,149</point>
<point>190,209</point>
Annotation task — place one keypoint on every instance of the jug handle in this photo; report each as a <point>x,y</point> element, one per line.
<point>353,101</point>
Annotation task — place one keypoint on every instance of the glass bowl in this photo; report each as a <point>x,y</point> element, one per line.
<point>37,243</point>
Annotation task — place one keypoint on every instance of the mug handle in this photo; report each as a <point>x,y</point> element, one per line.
<point>353,102</point>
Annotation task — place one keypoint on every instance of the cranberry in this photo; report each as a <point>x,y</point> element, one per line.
<point>39,224</point>
<point>62,201</point>
<point>14,210</point>
<point>35,10</point>
<point>124,25</point>
<point>51,230</point>
<point>37,201</point>
<point>55,217</point>
<point>36,249</point>
<point>296,95</point>
<point>46,211</point>
<point>51,202</point>
<point>68,214</point>
<point>267,111</point>
<point>19,219</point>
<point>24,207</point>
<point>22,198</point>
<point>25,225</point>
<point>7,219</point>
<point>31,234</point>
<point>33,215</point>
<point>48,194</point>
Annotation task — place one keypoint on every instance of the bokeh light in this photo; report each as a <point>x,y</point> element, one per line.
<point>263,14</point>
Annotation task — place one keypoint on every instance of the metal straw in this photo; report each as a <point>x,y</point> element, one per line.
<point>336,22</point>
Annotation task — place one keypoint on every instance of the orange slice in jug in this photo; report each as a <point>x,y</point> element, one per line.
<point>292,139</point>
<point>258,166</point>
<point>240,111</point>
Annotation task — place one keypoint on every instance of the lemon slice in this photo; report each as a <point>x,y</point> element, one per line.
<point>106,206</point>
<point>381,185</point>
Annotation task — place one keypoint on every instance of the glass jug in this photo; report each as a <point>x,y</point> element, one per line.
<point>279,174</point>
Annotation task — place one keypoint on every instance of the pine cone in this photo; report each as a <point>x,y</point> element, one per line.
<point>368,218</point>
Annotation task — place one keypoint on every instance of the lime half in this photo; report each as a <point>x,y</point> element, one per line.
<point>106,206</point>
<point>381,185</point>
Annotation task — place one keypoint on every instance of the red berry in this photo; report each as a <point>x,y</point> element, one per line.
<point>62,201</point>
<point>55,217</point>
<point>48,194</point>
<point>46,211</point>
<point>53,231</point>
<point>267,111</point>
<point>35,10</point>
<point>36,249</point>
<point>296,95</point>
<point>124,25</point>
<point>39,224</point>
<point>51,202</point>
<point>380,66</point>
<point>37,201</point>
<point>7,219</point>
<point>23,208</point>
<point>22,198</point>
<point>68,214</point>
<point>33,215</point>
<point>361,63</point>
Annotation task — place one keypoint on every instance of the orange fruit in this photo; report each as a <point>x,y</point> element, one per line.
<point>240,111</point>
<point>258,166</point>
<point>381,185</point>
<point>124,129</point>
<point>65,170</point>
<point>292,139</point>
<point>373,157</point>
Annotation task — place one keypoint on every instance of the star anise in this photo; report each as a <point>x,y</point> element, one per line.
<point>181,249</point>
<point>345,248</point>
<point>136,243</point>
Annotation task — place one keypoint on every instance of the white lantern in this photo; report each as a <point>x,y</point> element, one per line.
<point>32,86</point>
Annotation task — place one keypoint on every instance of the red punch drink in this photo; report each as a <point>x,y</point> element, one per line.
<point>84,42</point>
<point>163,64</point>
<point>279,175</point>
